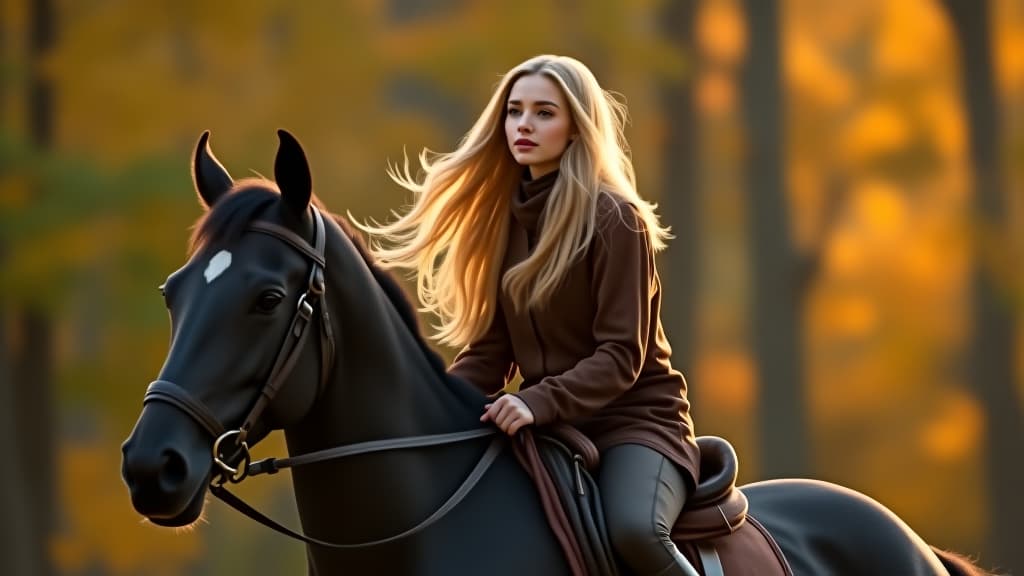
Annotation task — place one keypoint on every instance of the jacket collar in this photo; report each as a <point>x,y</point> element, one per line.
<point>528,204</point>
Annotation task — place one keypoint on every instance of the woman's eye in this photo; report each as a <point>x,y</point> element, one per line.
<point>545,114</point>
<point>513,112</point>
<point>268,301</point>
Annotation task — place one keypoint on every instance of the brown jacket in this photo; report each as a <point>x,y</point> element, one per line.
<point>595,355</point>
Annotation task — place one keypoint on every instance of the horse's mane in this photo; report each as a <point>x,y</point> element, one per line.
<point>227,219</point>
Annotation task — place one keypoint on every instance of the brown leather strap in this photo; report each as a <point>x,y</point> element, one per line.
<point>284,362</point>
<point>786,568</point>
<point>312,299</point>
<point>288,355</point>
<point>273,465</point>
<point>296,241</point>
<point>283,365</point>
<point>525,449</point>
<point>488,458</point>
<point>577,443</point>
<point>171,393</point>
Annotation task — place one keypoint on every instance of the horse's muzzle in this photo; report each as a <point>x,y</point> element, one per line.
<point>166,481</point>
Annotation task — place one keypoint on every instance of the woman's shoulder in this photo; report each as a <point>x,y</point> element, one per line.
<point>617,214</point>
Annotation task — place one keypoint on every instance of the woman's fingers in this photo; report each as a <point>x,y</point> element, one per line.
<point>515,425</point>
<point>509,413</point>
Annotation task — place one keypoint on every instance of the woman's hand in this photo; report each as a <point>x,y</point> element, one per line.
<point>509,413</point>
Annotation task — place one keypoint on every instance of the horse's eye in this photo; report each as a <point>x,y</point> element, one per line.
<point>268,301</point>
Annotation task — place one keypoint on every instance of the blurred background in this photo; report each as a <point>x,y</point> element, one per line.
<point>844,180</point>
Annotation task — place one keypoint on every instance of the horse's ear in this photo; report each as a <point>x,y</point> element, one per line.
<point>291,170</point>
<point>210,178</point>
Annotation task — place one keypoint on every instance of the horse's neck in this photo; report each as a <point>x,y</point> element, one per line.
<point>383,384</point>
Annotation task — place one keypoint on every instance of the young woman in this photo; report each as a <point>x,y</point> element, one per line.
<point>534,249</point>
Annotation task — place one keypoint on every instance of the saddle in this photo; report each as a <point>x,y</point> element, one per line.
<point>714,530</point>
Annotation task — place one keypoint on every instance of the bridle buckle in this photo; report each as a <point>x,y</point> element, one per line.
<point>227,472</point>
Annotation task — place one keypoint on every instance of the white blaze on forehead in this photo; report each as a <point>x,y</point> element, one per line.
<point>218,264</point>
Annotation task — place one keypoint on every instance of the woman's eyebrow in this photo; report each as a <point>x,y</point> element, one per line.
<point>538,103</point>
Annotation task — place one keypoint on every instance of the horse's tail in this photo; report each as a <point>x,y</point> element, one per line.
<point>959,565</point>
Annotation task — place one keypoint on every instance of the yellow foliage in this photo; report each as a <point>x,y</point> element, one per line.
<point>810,71</point>
<point>932,262</point>
<point>877,129</point>
<point>880,211</point>
<point>1009,57</point>
<point>716,93</point>
<point>726,380</point>
<point>99,526</point>
<point>912,37</point>
<point>721,32</point>
<point>942,115</point>
<point>845,256</point>
<point>15,191</point>
<point>850,316</point>
<point>72,246</point>
<point>954,430</point>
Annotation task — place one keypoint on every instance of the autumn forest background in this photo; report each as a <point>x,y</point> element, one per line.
<point>845,180</point>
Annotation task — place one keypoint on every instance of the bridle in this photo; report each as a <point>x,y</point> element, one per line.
<point>284,363</point>
<point>298,331</point>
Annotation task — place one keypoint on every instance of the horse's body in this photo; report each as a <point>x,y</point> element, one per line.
<point>385,382</point>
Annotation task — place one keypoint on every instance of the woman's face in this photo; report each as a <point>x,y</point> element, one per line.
<point>538,124</point>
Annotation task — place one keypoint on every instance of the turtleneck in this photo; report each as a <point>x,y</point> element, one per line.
<point>528,204</point>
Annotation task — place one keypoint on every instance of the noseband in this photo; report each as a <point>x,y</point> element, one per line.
<point>170,393</point>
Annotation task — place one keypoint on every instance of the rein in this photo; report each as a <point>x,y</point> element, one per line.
<point>170,393</point>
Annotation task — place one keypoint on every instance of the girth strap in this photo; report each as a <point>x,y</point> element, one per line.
<point>709,559</point>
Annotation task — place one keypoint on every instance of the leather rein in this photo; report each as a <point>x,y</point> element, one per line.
<point>312,300</point>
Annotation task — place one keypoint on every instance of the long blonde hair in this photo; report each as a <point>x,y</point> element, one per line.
<point>453,237</point>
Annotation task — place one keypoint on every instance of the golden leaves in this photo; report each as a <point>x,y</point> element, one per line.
<point>721,32</point>
<point>99,527</point>
<point>878,129</point>
<point>954,430</point>
<point>912,36</point>
<point>811,70</point>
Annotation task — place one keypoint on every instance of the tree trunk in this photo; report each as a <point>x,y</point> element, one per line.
<point>33,374</point>
<point>776,295</point>
<point>992,345</point>
<point>679,206</point>
<point>33,401</point>
<point>14,549</point>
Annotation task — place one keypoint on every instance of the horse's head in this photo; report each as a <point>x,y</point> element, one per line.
<point>241,360</point>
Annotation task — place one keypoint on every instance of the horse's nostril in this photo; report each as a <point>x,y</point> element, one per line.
<point>173,471</point>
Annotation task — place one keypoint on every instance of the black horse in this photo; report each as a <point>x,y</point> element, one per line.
<point>280,320</point>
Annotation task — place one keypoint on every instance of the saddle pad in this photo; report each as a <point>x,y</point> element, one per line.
<point>748,551</point>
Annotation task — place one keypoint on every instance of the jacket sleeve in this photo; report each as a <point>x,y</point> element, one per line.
<point>623,280</point>
<point>488,362</point>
